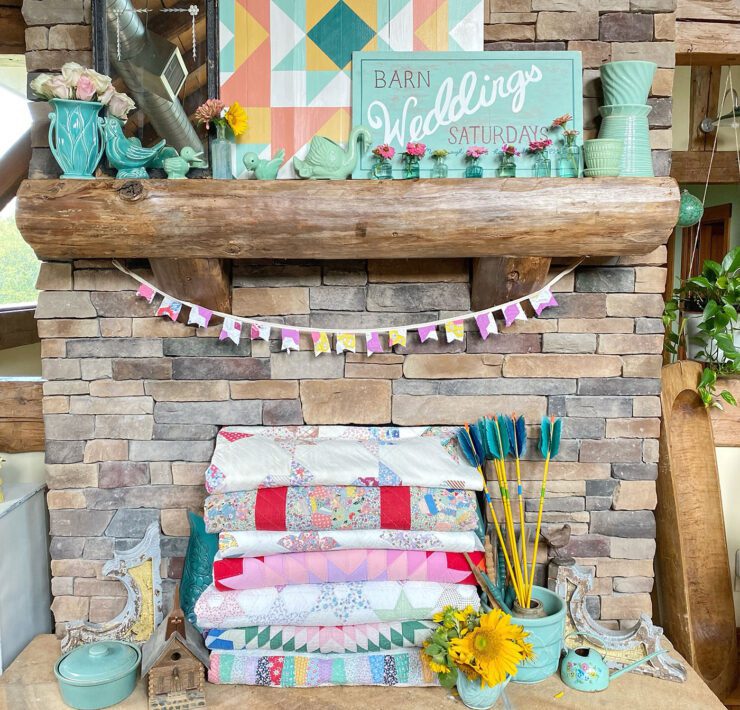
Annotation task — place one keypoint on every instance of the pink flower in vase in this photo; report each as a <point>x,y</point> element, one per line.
<point>384,151</point>
<point>508,149</point>
<point>85,88</point>
<point>416,150</point>
<point>475,152</point>
<point>560,121</point>
<point>539,146</point>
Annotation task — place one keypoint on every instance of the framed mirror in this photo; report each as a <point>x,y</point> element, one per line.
<point>164,55</point>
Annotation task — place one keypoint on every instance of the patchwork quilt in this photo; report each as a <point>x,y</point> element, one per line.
<point>360,638</point>
<point>293,670</point>
<point>345,566</point>
<point>330,604</point>
<point>254,543</point>
<point>342,508</point>
<point>247,458</point>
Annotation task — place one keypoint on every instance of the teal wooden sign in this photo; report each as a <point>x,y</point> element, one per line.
<point>454,100</point>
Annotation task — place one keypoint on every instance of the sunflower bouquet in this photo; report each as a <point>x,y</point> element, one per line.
<point>482,645</point>
<point>215,112</point>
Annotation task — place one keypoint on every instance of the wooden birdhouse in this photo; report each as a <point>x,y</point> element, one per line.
<point>175,659</point>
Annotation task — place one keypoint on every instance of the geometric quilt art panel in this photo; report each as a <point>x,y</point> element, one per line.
<point>289,62</point>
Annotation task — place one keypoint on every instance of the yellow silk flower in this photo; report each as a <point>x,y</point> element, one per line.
<point>236,117</point>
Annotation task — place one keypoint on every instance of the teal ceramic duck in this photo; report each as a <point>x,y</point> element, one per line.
<point>328,161</point>
<point>264,169</point>
<point>126,154</point>
<point>177,167</point>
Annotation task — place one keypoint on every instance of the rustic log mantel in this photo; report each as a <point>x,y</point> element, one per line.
<point>205,222</point>
<point>351,219</point>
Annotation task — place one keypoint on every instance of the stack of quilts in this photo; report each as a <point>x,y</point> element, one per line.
<point>337,546</point>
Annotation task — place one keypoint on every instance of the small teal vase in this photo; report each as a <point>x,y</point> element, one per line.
<point>477,696</point>
<point>473,170</point>
<point>76,137</point>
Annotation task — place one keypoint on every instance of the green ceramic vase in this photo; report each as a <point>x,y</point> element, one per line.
<point>627,82</point>
<point>76,137</point>
<point>604,155</point>
<point>476,696</point>
<point>629,124</point>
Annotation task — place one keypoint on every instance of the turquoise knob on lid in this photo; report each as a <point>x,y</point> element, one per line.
<point>101,661</point>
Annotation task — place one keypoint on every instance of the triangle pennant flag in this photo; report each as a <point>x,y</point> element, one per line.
<point>199,316</point>
<point>169,307</point>
<point>512,312</point>
<point>346,341</point>
<point>320,343</point>
<point>146,291</point>
<point>373,343</point>
<point>290,339</point>
<point>541,300</point>
<point>428,332</point>
<point>231,330</point>
<point>259,331</point>
<point>486,324</point>
<point>397,336</point>
<point>455,330</point>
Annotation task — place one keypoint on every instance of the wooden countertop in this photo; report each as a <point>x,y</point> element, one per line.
<point>29,684</point>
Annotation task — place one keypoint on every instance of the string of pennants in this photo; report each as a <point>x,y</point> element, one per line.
<point>233,327</point>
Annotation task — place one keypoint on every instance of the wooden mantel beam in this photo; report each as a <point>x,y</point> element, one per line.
<point>350,219</point>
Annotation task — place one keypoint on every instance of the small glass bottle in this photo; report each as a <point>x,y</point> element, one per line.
<point>473,170</point>
<point>382,170</point>
<point>569,161</point>
<point>410,167</point>
<point>542,165</point>
<point>508,166</point>
<point>439,169</point>
<point>221,154</point>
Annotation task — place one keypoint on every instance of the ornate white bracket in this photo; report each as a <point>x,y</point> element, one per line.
<point>573,583</point>
<point>138,570</point>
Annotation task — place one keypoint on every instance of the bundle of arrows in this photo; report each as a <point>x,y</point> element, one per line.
<point>494,439</point>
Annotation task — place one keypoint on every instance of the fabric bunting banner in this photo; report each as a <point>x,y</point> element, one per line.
<point>346,340</point>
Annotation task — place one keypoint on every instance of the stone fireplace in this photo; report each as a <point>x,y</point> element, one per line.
<point>132,402</point>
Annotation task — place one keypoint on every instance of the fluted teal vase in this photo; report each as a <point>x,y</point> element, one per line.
<point>477,696</point>
<point>76,137</point>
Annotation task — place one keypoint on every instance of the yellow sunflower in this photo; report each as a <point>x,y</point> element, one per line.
<point>491,649</point>
<point>236,117</point>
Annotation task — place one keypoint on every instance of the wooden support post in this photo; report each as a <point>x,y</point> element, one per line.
<point>21,418</point>
<point>206,282</point>
<point>503,278</point>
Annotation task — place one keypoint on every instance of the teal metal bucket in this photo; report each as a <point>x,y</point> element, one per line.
<point>546,637</point>
<point>76,137</point>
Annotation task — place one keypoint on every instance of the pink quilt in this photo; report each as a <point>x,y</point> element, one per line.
<point>345,566</point>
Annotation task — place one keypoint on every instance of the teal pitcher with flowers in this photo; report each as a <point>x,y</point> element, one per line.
<point>76,137</point>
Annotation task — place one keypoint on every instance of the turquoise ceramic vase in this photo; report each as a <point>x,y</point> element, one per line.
<point>545,635</point>
<point>76,137</point>
<point>628,123</point>
<point>627,82</point>
<point>197,571</point>
<point>477,696</point>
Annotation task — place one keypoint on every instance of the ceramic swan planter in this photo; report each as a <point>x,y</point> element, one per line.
<point>328,161</point>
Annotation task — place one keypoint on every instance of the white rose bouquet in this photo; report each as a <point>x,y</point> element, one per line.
<point>83,84</point>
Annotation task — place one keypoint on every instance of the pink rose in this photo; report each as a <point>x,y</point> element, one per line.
<point>106,96</point>
<point>85,88</point>
<point>58,88</point>
<point>119,105</point>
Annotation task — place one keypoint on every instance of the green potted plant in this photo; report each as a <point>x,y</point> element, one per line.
<point>703,316</point>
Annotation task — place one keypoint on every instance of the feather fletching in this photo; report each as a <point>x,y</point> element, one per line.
<point>555,432</point>
<point>467,447</point>
<point>481,427</point>
<point>475,437</point>
<point>521,436</point>
<point>491,439</point>
<point>503,433</point>
<point>544,437</point>
<point>510,433</point>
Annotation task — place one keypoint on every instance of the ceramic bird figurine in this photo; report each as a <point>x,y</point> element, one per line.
<point>264,169</point>
<point>126,154</point>
<point>557,539</point>
<point>177,167</point>
<point>328,161</point>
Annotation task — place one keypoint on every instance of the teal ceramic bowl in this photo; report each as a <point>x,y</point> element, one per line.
<point>98,675</point>
<point>627,82</point>
<point>603,153</point>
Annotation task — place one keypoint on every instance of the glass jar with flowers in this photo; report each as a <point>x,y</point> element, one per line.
<point>383,170</point>
<point>542,163</point>
<point>76,134</point>
<point>439,169</point>
<point>411,156</point>
<point>226,120</point>
<point>507,168</point>
<point>478,652</point>
<point>569,154</point>
<point>472,156</point>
